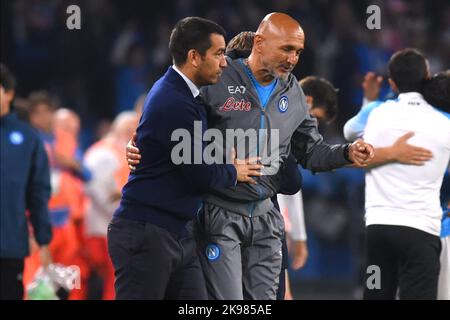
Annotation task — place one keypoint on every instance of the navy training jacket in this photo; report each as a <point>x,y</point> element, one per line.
<point>159,191</point>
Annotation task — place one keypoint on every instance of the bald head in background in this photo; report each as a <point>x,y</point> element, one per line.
<point>68,121</point>
<point>278,43</point>
<point>123,127</point>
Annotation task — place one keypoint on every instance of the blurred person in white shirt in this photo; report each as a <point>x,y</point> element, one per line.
<point>106,160</point>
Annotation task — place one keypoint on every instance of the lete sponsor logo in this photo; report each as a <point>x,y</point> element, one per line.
<point>236,105</point>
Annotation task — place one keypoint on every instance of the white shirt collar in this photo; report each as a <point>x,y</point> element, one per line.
<point>195,91</point>
<point>410,95</point>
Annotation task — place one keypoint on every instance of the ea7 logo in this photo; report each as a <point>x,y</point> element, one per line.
<point>236,89</point>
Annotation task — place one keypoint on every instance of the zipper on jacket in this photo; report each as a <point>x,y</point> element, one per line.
<point>261,124</point>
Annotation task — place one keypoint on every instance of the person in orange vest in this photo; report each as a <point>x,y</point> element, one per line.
<point>64,200</point>
<point>66,130</point>
<point>107,162</point>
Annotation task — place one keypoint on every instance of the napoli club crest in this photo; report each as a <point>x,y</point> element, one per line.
<point>283,104</point>
<point>212,252</point>
<point>16,137</point>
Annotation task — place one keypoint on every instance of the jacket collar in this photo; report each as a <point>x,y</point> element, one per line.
<point>194,89</point>
<point>10,117</point>
<point>175,79</point>
<point>410,95</point>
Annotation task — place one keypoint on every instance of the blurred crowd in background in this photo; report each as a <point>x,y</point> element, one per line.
<point>122,48</point>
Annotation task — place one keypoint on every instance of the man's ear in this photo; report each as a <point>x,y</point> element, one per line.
<point>193,58</point>
<point>257,42</point>
<point>9,95</point>
<point>393,85</point>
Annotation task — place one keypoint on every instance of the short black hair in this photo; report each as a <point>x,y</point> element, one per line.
<point>408,69</point>
<point>7,79</point>
<point>437,91</point>
<point>192,33</point>
<point>324,95</point>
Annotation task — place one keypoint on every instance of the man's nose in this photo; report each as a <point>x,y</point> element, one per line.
<point>223,63</point>
<point>293,58</point>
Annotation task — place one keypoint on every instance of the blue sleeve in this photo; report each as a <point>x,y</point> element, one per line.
<point>354,128</point>
<point>85,174</point>
<point>38,195</point>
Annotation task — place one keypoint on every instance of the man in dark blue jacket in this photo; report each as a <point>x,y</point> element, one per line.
<point>24,185</point>
<point>151,241</point>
